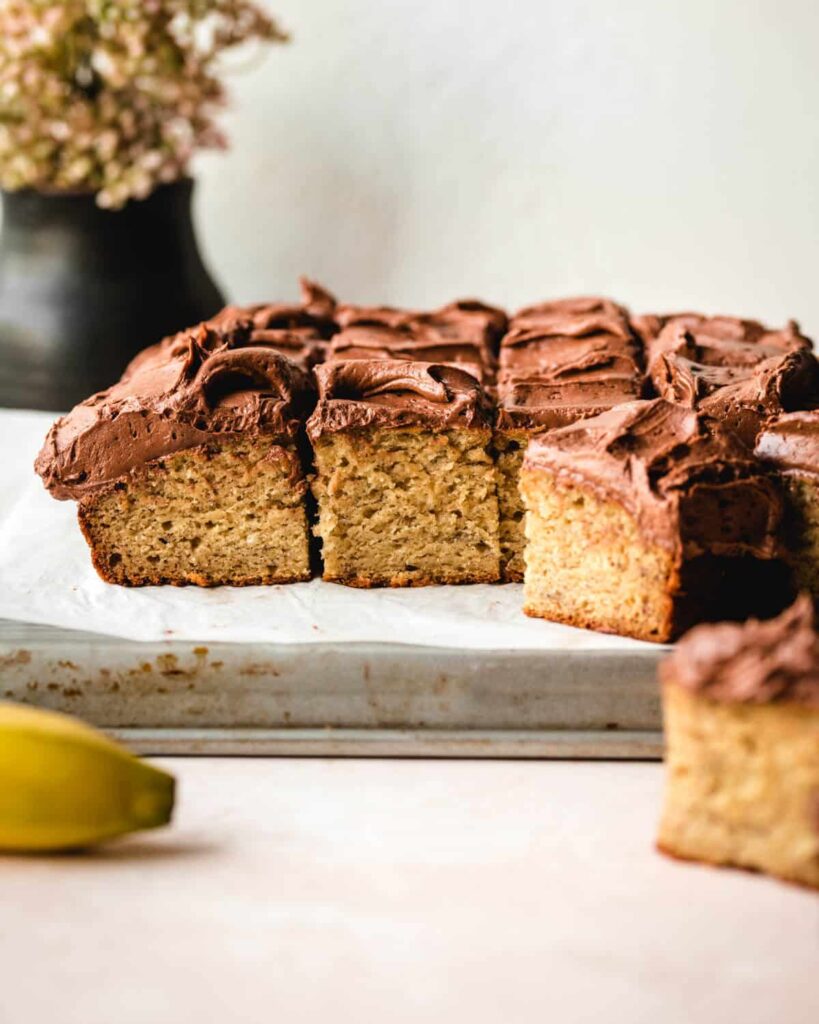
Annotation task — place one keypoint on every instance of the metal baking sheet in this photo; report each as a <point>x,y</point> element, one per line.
<point>339,699</point>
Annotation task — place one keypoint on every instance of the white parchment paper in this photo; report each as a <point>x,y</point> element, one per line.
<point>46,577</point>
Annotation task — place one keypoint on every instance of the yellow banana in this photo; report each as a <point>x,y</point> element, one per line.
<point>63,785</point>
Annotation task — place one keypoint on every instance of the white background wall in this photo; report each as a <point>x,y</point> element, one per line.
<point>663,151</point>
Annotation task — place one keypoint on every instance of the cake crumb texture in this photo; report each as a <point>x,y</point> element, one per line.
<point>588,565</point>
<point>407,507</point>
<point>228,512</point>
<point>742,785</point>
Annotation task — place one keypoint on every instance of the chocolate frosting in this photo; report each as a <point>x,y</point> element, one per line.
<point>541,401</point>
<point>790,443</point>
<point>463,333</point>
<point>315,312</point>
<point>648,325</point>
<point>568,310</point>
<point>740,397</point>
<point>360,395</point>
<point>203,383</point>
<point>751,663</point>
<point>464,319</point>
<point>564,360</point>
<point>377,343</point>
<point>692,487</point>
<point>297,330</point>
<point>724,340</point>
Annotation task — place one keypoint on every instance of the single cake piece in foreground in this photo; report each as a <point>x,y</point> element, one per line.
<point>559,362</point>
<point>404,478</point>
<point>789,447</point>
<point>647,519</point>
<point>741,710</point>
<point>189,469</point>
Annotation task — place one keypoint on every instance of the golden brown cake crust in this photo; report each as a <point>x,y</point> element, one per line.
<point>399,580</point>
<point>724,865</point>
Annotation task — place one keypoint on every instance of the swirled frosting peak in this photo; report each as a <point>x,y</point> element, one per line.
<point>722,340</point>
<point>391,393</point>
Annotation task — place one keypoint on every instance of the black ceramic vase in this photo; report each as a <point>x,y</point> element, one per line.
<point>82,289</point>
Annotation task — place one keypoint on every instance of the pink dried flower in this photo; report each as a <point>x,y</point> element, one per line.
<point>114,97</point>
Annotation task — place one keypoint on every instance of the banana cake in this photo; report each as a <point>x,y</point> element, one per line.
<point>741,710</point>
<point>721,340</point>
<point>404,481</point>
<point>737,371</point>
<point>559,362</point>
<point>646,519</point>
<point>189,470</point>
<point>464,333</point>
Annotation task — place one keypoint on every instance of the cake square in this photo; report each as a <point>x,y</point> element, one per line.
<point>464,333</point>
<point>741,380</point>
<point>189,470</point>
<point>404,479</point>
<point>559,362</point>
<point>720,340</point>
<point>646,519</point>
<point>741,712</point>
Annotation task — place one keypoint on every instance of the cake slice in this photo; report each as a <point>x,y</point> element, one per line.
<point>720,340</point>
<point>738,382</point>
<point>789,447</point>
<point>404,480</point>
<point>559,362</point>
<point>646,519</point>
<point>741,710</point>
<point>463,333</point>
<point>189,470</point>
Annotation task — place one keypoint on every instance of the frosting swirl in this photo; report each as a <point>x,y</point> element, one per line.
<point>564,360</point>
<point>464,333</point>
<point>741,397</point>
<point>358,395</point>
<point>753,662</point>
<point>722,340</point>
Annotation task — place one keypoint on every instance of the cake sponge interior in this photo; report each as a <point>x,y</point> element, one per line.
<point>228,512</point>
<point>407,507</point>
<point>742,785</point>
